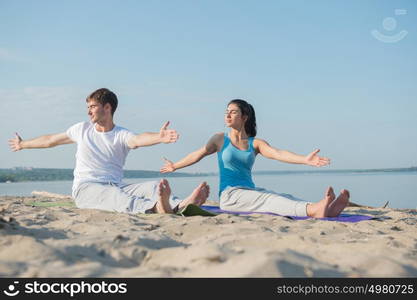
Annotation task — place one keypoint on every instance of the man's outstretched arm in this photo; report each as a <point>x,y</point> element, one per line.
<point>164,135</point>
<point>45,141</point>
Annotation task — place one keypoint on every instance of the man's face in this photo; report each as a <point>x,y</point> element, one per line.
<point>96,111</point>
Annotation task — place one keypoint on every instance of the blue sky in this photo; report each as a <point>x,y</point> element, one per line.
<point>315,74</point>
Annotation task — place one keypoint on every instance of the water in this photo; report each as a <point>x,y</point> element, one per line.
<point>373,189</point>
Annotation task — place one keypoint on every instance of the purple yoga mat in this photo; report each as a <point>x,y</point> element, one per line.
<point>340,218</point>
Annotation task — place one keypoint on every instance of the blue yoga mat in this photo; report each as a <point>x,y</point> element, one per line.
<point>340,218</point>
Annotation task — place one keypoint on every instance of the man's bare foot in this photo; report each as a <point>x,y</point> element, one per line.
<point>321,208</point>
<point>338,205</point>
<point>162,206</point>
<point>197,197</point>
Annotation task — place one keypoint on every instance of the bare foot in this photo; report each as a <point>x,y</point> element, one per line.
<point>197,197</point>
<point>321,208</point>
<point>338,205</point>
<point>162,206</point>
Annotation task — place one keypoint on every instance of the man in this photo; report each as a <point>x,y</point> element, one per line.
<point>102,148</point>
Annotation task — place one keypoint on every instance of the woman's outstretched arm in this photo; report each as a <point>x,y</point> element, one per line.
<point>311,159</point>
<point>211,147</point>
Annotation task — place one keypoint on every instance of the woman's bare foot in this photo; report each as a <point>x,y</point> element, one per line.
<point>321,208</point>
<point>197,197</point>
<point>338,205</point>
<point>162,206</point>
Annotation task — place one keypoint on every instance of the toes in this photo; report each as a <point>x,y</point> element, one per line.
<point>345,193</point>
<point>163,187</point>
<point>168,188</point>
<point>200,186</point>
<point>160,188</point>
<point>329,191</point>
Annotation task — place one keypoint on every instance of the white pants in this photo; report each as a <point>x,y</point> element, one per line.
<point>126,198</point>
<point>260,200</point>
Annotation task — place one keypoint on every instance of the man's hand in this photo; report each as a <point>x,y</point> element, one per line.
<point>316,161</point>
<point>168,135</point>
<point>16,143</point>
<point>168,167</point>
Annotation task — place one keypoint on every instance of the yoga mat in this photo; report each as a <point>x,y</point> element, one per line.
<point>194,210</point>
<point>340,218</point>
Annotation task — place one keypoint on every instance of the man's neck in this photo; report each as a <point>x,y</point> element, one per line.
<point>104,126</point>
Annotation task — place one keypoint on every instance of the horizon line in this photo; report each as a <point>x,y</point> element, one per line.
<point>215,172</point>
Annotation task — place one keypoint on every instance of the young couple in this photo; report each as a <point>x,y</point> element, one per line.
<point>102,148</point>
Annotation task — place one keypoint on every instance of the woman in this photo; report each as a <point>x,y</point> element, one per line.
<point>236,152</point>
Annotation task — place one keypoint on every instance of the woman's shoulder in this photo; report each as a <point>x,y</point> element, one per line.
<point>218,136</point>
<point>259,141</point>
<point>215,142</point>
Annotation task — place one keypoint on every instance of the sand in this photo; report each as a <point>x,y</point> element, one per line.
<point>70,242</point>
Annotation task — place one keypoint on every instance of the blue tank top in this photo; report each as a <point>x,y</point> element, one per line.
<point>235,166</point>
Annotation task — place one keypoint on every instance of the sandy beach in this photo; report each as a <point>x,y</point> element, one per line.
<point>64,241</point>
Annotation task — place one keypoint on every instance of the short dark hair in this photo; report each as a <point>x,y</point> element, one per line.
<point>104,96</point>
<point>247,110</point>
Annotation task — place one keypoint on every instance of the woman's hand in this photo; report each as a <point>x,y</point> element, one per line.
<point>168,167</point>
<point>316,161</point>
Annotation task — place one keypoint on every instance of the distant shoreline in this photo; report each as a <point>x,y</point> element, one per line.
<point>340,171</point>
<point>51,174</point>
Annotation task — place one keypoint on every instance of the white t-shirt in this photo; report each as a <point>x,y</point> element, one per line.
<point>100,156</point>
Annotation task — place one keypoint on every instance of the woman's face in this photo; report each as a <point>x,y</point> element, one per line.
<point>233,116</point>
